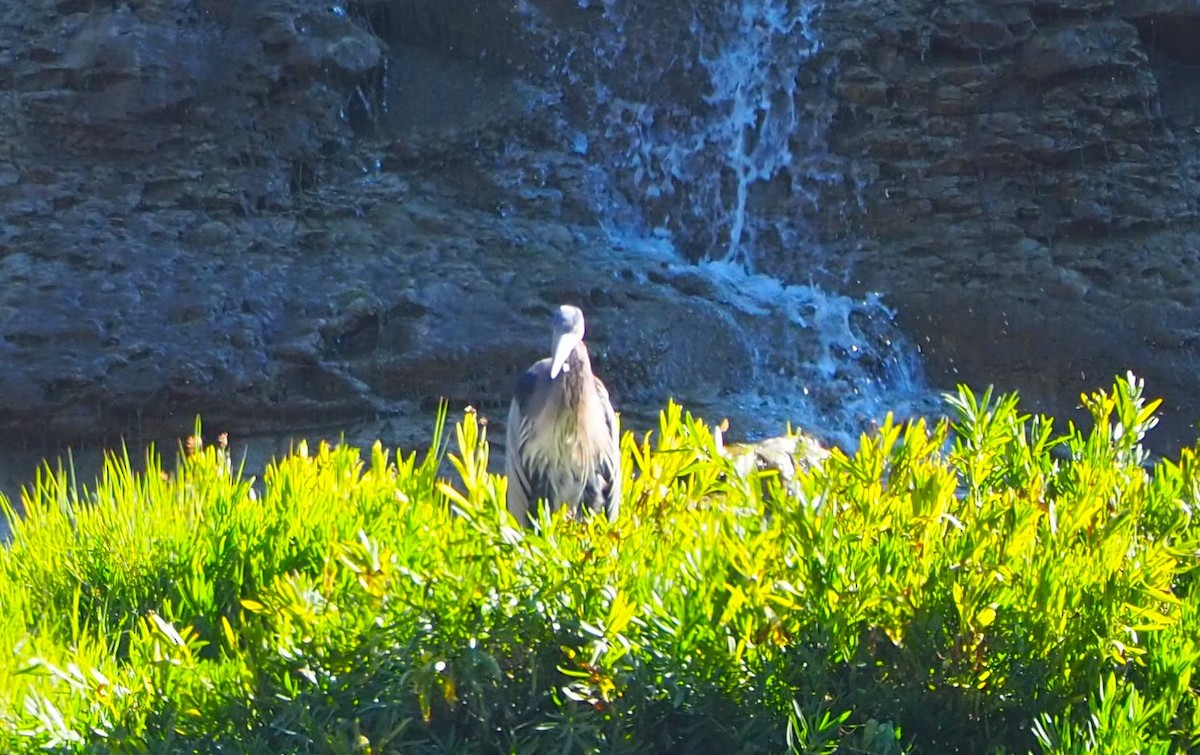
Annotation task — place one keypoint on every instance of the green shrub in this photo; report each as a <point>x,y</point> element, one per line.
<point>985,584</point>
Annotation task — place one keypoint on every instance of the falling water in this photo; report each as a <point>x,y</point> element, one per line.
<point>685,134</point>
<point>681,130</point>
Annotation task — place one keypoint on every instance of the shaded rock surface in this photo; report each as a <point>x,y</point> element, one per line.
<point>281,214</point>
<point>1034,189</point>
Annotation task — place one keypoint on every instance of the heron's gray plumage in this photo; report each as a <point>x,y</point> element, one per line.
<point>563,439</point>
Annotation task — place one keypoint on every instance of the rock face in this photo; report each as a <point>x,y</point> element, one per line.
<point>153,157</point>
<point>205,208</point>
<point>1035,189</point>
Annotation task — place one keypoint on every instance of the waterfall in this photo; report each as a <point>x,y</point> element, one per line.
<point>683,112</point>
<point>753,78</point>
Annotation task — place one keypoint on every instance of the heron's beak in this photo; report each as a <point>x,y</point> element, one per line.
<point>562,349</point>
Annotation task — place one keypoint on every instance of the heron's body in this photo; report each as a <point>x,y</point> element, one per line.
<point>563,439</point>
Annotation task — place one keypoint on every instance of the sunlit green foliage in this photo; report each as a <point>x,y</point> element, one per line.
<point>986,584</point>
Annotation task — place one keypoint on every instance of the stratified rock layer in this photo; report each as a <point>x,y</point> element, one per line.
<point>1035,189</point>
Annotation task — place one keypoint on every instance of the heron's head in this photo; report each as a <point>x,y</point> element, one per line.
<point>568,332</point>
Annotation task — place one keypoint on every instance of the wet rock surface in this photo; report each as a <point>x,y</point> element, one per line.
<point>204,209</point>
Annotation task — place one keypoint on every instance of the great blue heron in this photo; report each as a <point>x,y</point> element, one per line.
<point>563,439</point>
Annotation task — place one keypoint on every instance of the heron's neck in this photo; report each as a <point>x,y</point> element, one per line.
<point>578,378</point>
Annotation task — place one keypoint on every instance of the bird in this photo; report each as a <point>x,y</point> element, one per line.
<point>784,454</point>
<point>563,435</point>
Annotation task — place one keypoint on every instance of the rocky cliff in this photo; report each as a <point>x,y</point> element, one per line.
<point>268,212</point>
<point>1034,188</point>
